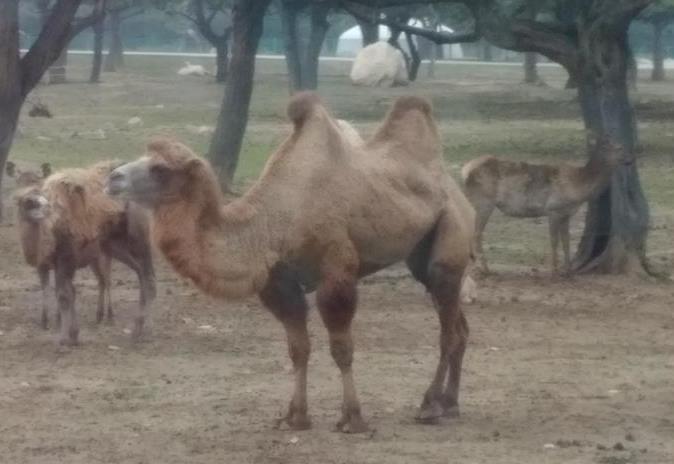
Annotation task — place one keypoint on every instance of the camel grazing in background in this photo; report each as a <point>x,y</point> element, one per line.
<point>520,189</point>
<point>324,213</point>
<point>27,178</point>
<point>65,223</point>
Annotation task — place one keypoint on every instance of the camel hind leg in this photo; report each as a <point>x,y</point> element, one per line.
<point>101,269</point>
<point>284,297</point>
<point>439,262</point>
<point>484,207</point>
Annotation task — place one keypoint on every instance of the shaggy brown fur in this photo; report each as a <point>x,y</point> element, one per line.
<point>521,189</point>
<point>326,211</point>
<point>67,223</point>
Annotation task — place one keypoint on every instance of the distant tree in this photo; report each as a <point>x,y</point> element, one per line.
<point>247,27</point>
<point>20,74</point>
<point>117,12</point>
<point>302,56</point>
<point>98,28</point>
<point>660,15</point>
<point>213,20</point>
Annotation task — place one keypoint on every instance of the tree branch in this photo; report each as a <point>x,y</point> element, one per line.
<point>53,37</point>
<point>437,37</point>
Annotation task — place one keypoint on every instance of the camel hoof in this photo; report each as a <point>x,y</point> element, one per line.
<point>44,323</point>
<point>139,333</point>
<point>294,422</point>
<point>430,413</point>
<point>69,341</point>
<point>451,412</point>
<point>352,423</point>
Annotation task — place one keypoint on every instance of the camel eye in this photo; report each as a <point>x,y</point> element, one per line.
<point>30,204</point>
<point>160,171</point>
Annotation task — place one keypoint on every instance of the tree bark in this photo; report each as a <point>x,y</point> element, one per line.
<point>658,52</point>
<point>415,59</point>
<point>291,42</point>
<point>248,22</point>
<point>616,223</point>
<point>98,29</point>
<point>531,75</point>
<point>319,29</point>
<point>222,61</point>
<point>115,59</point>
<point>369,32</point>
<point>57,71</point>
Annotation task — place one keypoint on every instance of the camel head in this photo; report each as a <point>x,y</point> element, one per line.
<point>169,172</point>
<point>28,178</point>
<point>32,205</point>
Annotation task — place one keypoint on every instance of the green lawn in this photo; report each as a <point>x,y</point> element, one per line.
<point>480,109</point>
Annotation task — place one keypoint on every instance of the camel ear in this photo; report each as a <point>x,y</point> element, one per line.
<point>46,170</point>
<point>10,169</point>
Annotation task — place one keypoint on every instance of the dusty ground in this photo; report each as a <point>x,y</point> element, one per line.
<point>583,365</point>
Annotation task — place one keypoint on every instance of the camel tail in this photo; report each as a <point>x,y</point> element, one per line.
<point>301,106</point>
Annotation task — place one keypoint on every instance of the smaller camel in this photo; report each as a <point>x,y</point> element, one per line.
<point>520,189</point>
<point>27,178</point>
<point>66,223</point>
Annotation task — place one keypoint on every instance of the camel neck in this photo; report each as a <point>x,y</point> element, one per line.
<point>226,255</point>
<point>35,242</point>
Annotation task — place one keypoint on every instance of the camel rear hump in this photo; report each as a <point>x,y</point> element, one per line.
<point>409,124</point>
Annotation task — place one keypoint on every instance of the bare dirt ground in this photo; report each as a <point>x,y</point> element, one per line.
<point>557,371</point>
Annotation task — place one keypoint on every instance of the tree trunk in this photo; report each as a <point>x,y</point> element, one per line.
<point>487,51</point>
<point>415,59</point>
<point>319,29</point>
<point>248,22</point>
<point>98,29</point>
<point>222,61</point>
<point>531,75</point>
<point>11,97</point>
<point>658,52</point>
<point>115,59</point>
<point>572,80</point>
<point>291,43</point>
<point>369,31</point>
<point>57,71</point>
<point>616,223</point>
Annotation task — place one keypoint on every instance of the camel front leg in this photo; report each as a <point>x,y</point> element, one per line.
<point>554,223</point>
<point>43,272</point>
<point>564,234</point>
<point>284,297</point>
<point>336,299</point>
<point>64,273</point>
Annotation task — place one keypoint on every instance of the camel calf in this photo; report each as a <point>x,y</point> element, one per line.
<point>520,189</point>
<point>66,223</point>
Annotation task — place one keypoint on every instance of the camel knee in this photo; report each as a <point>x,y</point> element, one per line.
<point>337,303</point>
<point>444,281</point>
<point>341,349</point>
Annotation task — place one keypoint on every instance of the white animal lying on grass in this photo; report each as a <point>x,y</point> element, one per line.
<point>192,70</point>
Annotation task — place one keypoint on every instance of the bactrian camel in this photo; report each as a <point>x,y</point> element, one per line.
<point>324,213</point>
<point>520,189</point>
<point>67,223</point>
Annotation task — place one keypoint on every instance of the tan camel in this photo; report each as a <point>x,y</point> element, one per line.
<point>67,223</point>
<point>323,214</point>
<point>521,189</point>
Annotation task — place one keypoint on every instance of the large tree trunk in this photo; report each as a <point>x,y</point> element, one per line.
<point>415,59</point>
<point>248,21</point>
<point>369,31</point>
<point>319,29</point>
<point>98,29</point>
<point>115,59</point>
<point>531,75</point>
<point>57,71</point>
<point>222,60</point>
<point>616,224</point>
<point>658,52</point>
<point>291,43</point>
